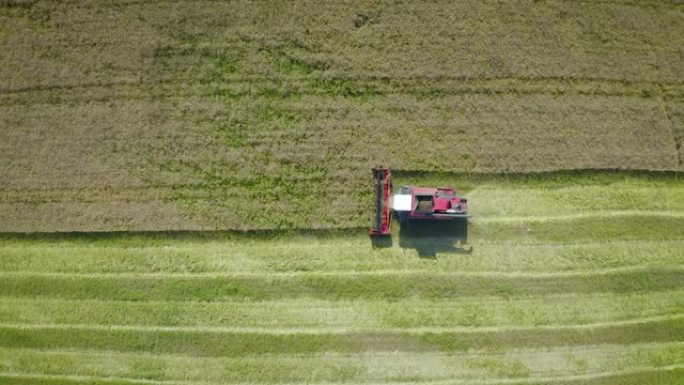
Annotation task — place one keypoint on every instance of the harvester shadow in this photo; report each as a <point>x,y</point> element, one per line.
<point>381,242</point>
<point>431,237</point>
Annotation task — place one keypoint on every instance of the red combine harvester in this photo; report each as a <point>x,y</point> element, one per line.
<point>413,204</point>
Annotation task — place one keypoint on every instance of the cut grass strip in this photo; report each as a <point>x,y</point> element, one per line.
<point>218,343</point>
<point>303,330</point>
<point>668,375</point>
<point>399,366</point>
<point>375,286</point>
<point>352,254</point>
<point>664,376</point>
<point>581,229</point>
<point>13,378</point>
<point>347,273</point>
<point>366,314</point>
<point>660,376</point>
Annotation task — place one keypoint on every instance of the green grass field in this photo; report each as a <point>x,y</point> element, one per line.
<point>573,279</point>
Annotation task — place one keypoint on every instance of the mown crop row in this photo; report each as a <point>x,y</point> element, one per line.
<point>216,256</point>
<point>319,368</point>
<point>376,286</point>
<point>236,343</point>
<point>305,313</point>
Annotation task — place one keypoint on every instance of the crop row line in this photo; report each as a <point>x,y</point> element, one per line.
<point>463,90</point>
<point>562,349</point>
<point>350,273</point>
<point>125,3</point>
<point>262,287</point>
<point>343,330</point>
<point>278,135</point>
<point>380,77</point>
<point>355,237</point>
<point>453,92</point>
<point>182,95</point>
<point>241,344</point>
<point>324,304</point>
<point>574,81</point>
<point>234,236</point>
<point>350,237</point>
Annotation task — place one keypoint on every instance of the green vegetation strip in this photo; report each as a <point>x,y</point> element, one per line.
<point>669,375</point>
<point>581,229</point>
<point>560,362</point>
<point>29,378</point>
<point>219,343</point>
<point>135,254</point>
<point>375,286</point>
<point>665,376</point>
<point>367,314</point>
<point>353,255</point>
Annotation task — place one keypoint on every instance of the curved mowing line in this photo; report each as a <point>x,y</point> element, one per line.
<point>341,330</point>
<point>569,217</point>
<point>470,352</point>
<point>350,273</point>
<point>527,380</point>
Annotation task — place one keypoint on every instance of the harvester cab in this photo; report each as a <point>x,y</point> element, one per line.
<point>428,203</point>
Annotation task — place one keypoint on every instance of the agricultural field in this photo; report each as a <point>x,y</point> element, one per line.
<point>196,115</point>
<point>185,192</point>
<point>572,279</point>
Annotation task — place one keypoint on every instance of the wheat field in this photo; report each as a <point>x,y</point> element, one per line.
<point>157,115</point>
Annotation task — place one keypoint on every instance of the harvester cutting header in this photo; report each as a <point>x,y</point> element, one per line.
<point>412,203</point>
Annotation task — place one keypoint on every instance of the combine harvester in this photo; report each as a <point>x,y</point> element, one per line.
<point>431,211</point>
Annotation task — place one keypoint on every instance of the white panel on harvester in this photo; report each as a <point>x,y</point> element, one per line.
<point>402,202</point>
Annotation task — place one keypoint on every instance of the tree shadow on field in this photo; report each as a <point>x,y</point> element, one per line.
<point>431,237</point>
